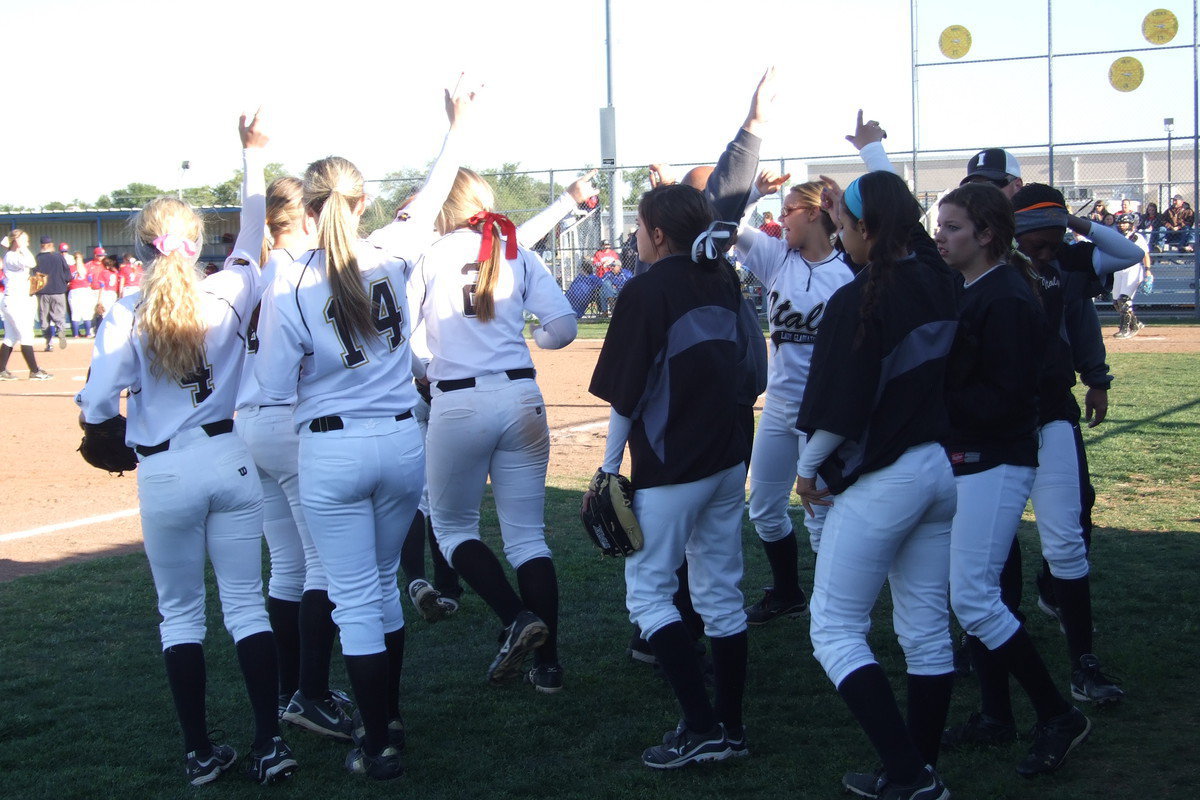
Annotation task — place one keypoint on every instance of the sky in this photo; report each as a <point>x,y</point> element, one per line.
<point>107,92</point>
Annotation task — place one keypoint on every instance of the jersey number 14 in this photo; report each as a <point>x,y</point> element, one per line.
<point>386,315</point>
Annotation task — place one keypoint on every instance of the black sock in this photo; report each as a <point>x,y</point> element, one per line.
<point>394,642</point>
<point>445,579</point>
<point>187,678</point>
<point>683,604</point>
<point>672,646</point>
<point>30,360</point>
<point>412,554</point>
<point>539,591</point>
<point>928,705</point>
<point>285,622</point>
<point>1075,611</point>
<point>481,570</point>
<point>1010,580</point>
<point>871,701</point>
<point>1026,665</point>
<point>256,656</point>
<point>785,573</point>
<point>729,654</point>
<point>995,699</point>
<point>316,642</point>
<point>369,677</point>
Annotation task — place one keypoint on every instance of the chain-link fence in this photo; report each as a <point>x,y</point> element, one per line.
<point>1135,177</point>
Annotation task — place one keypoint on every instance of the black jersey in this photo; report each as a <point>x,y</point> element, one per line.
<point>1070,276</point>
<point>993,375</point>
<point>882,390</point>
<point>669,363</point>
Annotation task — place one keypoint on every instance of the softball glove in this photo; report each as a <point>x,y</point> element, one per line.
<point>607,515</point>
<point>104,447</point>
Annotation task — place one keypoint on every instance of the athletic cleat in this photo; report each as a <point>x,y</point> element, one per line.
<point>62,341</point>
<point>772,606</point>
<point>518,640</point>
<point>5,375</point>
<point>681,747</point>
<point>639,650</point>
<point>930,787</point>
<point>273,763</point>
<point>284,700</point>
<point>963,666</point>
<point>384,767</point>
<point>1053,740</point>
<point>324,716</point>
<point>395,732</point>
<point>979,730</point>
<point>426,598</point>
<point>546,678</point>
<point>737,746</point>
<point>344,700</point>
<point>40,375</point>
<point>865,784</point>
<point>449,605</point>
<point>206,770</point>
<point>1090,685</point>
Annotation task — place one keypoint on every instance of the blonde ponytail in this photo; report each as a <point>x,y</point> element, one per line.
<point>333,187</point>
<point>470,195</point>
<point>168,312</point>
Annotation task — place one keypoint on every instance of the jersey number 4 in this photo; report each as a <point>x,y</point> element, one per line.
<point>200,382</point>
<point>386,315</point>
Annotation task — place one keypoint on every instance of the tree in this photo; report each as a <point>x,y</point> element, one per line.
<point>638,181</point>
<point>135,195</point>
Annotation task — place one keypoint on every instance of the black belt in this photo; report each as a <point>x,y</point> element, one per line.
<point>467,383</point>
<point>334,423</point>
<point>211,428</point>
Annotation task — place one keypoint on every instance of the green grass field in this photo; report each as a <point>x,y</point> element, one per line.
<point>85,711</point>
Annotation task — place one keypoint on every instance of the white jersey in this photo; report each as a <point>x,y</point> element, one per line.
<point>796,292</point>
<point>1126,281</point>
<point>327,368</point>
<point>249,394</point>
<point>17,264</point>
<point>161,407</point>
<point>462,346</point>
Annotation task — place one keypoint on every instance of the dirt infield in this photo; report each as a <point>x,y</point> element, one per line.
<point>57,509</point>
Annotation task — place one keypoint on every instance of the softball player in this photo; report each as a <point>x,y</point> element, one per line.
<point>488,417</point>
<point>669,369</point>
<point>992,401</point>
<point>297,595</point>
<point>81,297</point>
<point>799,274</point>
<point>1127,281</point>
<point>18,307</point>
<point>177,347</point>
<point>873,423</point>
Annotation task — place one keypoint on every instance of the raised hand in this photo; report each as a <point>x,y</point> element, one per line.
<point>582,189</point>
<point>865,133</point>
<point>461,100</point>
<point>770,182</point>
<point>660,175</point>
<point>831,198</point>
<point>251,132</point>
<point>762,103</point>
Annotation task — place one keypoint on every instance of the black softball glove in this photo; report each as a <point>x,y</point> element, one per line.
<point>607,515</point>
<point>104,447</point>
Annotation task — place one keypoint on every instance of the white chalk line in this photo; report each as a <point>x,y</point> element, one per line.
<point>62,526</point>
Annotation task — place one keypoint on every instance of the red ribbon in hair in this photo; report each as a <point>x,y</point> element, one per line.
<point>507,229</point>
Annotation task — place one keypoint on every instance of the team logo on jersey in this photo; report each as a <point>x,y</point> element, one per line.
<point>793,326</point>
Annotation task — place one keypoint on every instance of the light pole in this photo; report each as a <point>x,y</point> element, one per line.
<point>183,168</point>
<point>1169,126</point>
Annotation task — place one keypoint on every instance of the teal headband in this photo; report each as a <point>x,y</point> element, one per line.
<point>853,198</point>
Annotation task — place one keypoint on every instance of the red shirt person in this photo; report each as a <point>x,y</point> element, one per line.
<point>605,258</point>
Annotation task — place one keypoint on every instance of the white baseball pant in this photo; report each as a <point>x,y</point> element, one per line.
<point>990,505</point>
<point>496,428</point>
<point>18,321</point>
<point>701,521</point>
<point>1056,502</point>
<point>777,449</point>
<point>891,524</point>
<point>201,496</point>
<point>359,487</point>
<point>270,435</point>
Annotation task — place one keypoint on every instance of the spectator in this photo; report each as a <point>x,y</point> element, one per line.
<point>1176,229</point>
<point>583,291</point>
<point>52,297</point>
<point>1098,212</point>
<point>1127,212</point>
<point>610,286</point>
<point>629,255</point>
<point>605,258</point>
<point>770,227</point>
<point>1149,220</point>
<point>1109,221</point>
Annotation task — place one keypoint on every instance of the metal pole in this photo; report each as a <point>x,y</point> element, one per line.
<point>912,27</point>
<point>552,240</point>
<point>1050,84</point>
<point>614,202</point>
<point>608,45</point>
<point>1195,160</point>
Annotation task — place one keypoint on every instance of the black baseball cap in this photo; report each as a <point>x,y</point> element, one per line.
<point>993,164</point>
<point>47,240</point>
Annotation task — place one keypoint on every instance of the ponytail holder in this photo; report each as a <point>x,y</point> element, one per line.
<point>170,243</point>
<point>508,230</point>
<point>704,247</point>
<point>853,198</point>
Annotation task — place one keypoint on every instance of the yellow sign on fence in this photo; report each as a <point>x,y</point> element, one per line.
<point>1160,26</point>
<point>955,41</point>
